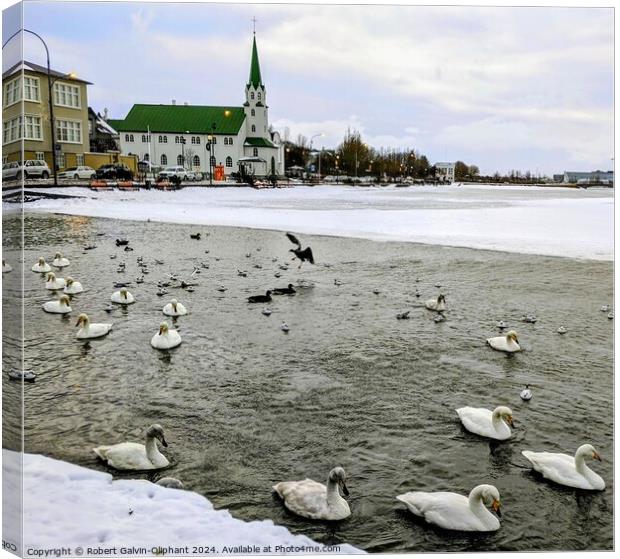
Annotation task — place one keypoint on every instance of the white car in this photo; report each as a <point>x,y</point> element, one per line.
<point>81,172</point>
<point>170,172</point>
<point>26,169</point>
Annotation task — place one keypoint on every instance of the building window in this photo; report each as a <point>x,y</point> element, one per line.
<point>60,160</point>
<point>31,89</point>
<point>177,140</point>
<point>196,140</point>
<point>214,140</point>
<point>163,139</point>
<point>229,161</point>
<point>70,131</point>
<point>79,159</point>
<point>146,157</point>
<point>12,130</point>
<point>66,95</point>
<point>213,162</point>
<point>252,95</point>
<point>180,159</point>
<point>145,139</point>
<point>259,96</point>
<point>255,152</point>
<point>253,112</point>
<point>12,92</point>
<point>196,161</point>
<point>33,127</point>
<point>253,128</point>
<point>39,155</point>
<point>230,141</point>
<point>225,141</point>
<point>164,159</point>
<point>5,159</point>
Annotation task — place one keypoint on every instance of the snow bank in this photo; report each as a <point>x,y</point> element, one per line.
<point>548,221</point>
<point>70,506</point>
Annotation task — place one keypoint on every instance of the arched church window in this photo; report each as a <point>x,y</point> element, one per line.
<point>255,152</point>
<point>253,128</point>
<point>253,112</point>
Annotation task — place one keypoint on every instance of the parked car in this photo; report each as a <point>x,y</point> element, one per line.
<point>81,172</point>
<point>194,176</point>
<point>28,169</point>
<point>114,171</point>
<point>178,172</point>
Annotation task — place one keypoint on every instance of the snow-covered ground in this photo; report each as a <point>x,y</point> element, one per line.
<point>67,506</point>
<point>532,220</point>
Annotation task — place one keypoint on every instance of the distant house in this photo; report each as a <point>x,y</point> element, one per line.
<point>589,177</point>
<point>101,135</point>
<point>445,171</point>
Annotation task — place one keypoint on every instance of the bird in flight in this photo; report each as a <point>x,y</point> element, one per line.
<point>303,255</point>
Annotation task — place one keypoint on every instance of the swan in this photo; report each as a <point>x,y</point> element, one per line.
<point>6,267</point>
<point>508,343</point>
<point>122,297</point>
<point>135,456</point>
<point>457,512</point>
<point>165,338</point>
<point>526,393</point>
<point>486,423</point>
<point>89,330</point>
<point>566,470</point>
<point>59,261</point>
<point>60,307</point>
<point>53,283</point>
<point>311,499</point>
<point>174,308</point>
<point>438,304</point>
<point>41,267</point>
<point>73,287</point>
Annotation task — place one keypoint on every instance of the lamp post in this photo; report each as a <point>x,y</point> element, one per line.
<point>311,140</point>
<point>49,86</point>
<point>211,150</point>
<point>183,151</point>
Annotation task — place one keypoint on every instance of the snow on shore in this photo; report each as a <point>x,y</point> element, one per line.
<point>548,221</point>
<point>68,506</point>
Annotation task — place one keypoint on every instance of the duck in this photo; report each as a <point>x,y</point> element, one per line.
<point>417,293</point>
<point>266,298</point>
<point>170,483</point>
<point>174,308</point>
<point>41,267</point>
<point>73,287</point>
<point>568,470</point>
<point>314,500</point>
<point>59,261</point>
<point>376,291</point>
<point>452,511</point>
<point>486,423</point>
<point>289,290</point>
<point>529,318</point>
<point>135,456</point>
<point>526,393</point>
<point>562,330</point>
<point>403,315</point>
<point>284,327</point>
<point>508,343</point>
<point>337,282</point>
<point>438,304</point>
<point>6,268</point>
<point>53,283</point>
<point>221,289</point>
<point>122,297</point>
<point>88,330</point>
<point>166,338</point>
<point>61,306</point>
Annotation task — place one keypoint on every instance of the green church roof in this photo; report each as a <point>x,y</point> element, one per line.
<point>192,119</point>
<point>255,77</point>
<point>259,143</point>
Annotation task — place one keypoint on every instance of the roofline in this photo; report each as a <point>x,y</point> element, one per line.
<point>27,66</point>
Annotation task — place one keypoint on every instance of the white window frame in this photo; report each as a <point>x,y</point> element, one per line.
<point>15,130</point>
<point>58,128</point>
<point>36,84</point>
<point>79,160</point>
<point>39,156</point>
<point>15,87</point>
<point>229,161</point>
<point>57,102</point>
<point>5,159</point>
<point>164,159</point>
<point>60,160</point>
<point>39,126</point>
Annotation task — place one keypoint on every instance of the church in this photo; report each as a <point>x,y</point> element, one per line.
<point>222,140</point>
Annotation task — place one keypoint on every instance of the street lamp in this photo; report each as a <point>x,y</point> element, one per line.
<point>49,86</point>
<point>211,150</point>
<point>311,140</point>
<point>183,140</point>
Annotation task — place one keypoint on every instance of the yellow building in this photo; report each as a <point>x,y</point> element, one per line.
<point>26,115</point>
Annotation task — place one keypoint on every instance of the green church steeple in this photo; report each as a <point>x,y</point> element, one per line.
<point>255,77</point>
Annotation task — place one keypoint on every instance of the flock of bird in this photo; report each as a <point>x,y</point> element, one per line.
<point>308,498</point>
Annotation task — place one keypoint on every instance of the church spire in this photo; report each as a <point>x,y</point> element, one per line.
<point>255,77</point>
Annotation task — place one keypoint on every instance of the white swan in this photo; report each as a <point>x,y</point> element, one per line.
<point>174,308</point>
<point>59,261</point>
<point>508,343</point>
<point>311,499</point>
<point>122,297</point>
<point>6,267</point>
<point>438,304</point>
<point>89,330</point>
<point>165,338</point>
<point>60,307</point>
<point>53,283</point>
<point>568,470</point>
<point>134,456</point>
<point>456,512</point>
<point>41,267</point>
<point>486,423</point>
<point>73,287</point>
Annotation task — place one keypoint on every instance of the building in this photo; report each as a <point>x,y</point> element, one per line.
<point>101,136</point>
<point>445,171</point>
<point>26,115</point>
<point>589,177</point>
<point>206,138</point>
